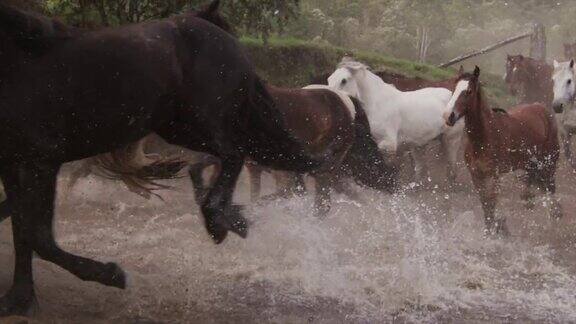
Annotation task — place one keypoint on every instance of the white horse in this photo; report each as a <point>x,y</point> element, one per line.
<point>564,94</point>
<point>412,118</point>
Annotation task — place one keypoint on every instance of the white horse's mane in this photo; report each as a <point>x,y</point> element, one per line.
<point>351,64</point>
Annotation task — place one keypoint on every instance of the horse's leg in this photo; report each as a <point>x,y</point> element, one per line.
<point>219,213</point>
<point>322,202</point>
<point>528,195</point>
<point>548,185</point>
<point>567,141</point>
<point>20,296</point>
<point>299,185</point>
<point>32,196</point>
<point>343,186</point>
<point>450,149</point>
<point>255,172</point>
<point>487,187</point>
<point>31,192</point>
<point>420,170</point>
<point>196,172</point>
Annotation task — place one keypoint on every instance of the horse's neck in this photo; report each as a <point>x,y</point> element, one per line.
<point>373,89</point>
<point>539,88</point>
<point>478,122</point>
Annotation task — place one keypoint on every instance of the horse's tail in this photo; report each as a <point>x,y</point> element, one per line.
<point>267,138</point>
<point>140,177</point>
<point>364,161</point>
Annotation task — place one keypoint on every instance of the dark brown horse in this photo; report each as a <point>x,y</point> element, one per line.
<point>569,51</point>
<point>530,80</point>
<point>524,138</point>
<point>69,94</point>
<point>316,117</point>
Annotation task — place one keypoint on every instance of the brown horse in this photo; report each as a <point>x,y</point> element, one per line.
<point>569,51</point>
<point>529,79</point>
<point>524,138</point>
<point>316,116</point>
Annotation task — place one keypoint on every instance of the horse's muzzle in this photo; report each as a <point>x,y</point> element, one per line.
<point>451,119</point>
<point>558,108</point>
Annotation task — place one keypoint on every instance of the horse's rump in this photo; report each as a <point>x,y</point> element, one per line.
<point>531,123</point>
<point>315,117</point>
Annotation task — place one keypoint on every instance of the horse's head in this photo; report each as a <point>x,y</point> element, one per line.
<point>515,73</point>
<point>347,76</point>
<point>569,50</point>
<point>466,91</point>
<point>564,89</point>
<point>211,13</point>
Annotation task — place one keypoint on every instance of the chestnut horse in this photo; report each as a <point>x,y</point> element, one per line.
<point>524,138</point>
<point>529,79</point>
<point>569,51</point>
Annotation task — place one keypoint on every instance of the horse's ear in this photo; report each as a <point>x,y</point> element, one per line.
<point>461,70</point>
<point>572,63</point>
<point>476,72</point>
<point>213,7</point>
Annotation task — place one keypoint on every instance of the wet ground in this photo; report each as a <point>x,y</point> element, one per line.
<point>416,257</point>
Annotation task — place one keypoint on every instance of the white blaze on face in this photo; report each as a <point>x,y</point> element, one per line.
<point>461,87</point>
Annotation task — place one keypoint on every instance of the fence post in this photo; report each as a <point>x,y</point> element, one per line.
<point>538,42</point>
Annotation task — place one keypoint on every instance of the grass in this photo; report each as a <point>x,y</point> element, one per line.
<point>294,62</point>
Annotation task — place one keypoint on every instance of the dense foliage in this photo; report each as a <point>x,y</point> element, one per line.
<point>426,30</point>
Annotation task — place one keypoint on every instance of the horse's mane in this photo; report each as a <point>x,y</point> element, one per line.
<point>31,31</point>
<point>211,13</point>
<point>350,63</point>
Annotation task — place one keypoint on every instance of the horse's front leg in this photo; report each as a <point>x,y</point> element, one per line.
<point>219,213</point>
<point>420,167</point>
<point>31,191</point>
<point>450,149</point>
<point>567,143</point>
<point>196,172</point>
<point>255,173</point>
<point>487,187</point>
<point>322,202</point>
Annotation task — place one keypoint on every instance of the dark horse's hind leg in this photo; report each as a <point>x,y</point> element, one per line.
<point>4,210</point>
<point>31,191</point>
<point>220,215</point>
<point>196,173</point>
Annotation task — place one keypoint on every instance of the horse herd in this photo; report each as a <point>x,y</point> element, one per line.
<point>69,94</point>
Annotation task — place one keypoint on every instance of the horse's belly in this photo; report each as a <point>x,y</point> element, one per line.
<point>420,132</point>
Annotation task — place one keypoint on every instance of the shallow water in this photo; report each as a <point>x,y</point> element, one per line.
<point>417,257</point>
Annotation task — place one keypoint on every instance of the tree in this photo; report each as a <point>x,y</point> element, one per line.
<point>255,17</point>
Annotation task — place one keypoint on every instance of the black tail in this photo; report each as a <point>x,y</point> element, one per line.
<point>267,139</point>
<point>364,162</point>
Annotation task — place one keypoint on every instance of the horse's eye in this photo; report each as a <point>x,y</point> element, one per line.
<point>570,82</point>
<point>344,81</point>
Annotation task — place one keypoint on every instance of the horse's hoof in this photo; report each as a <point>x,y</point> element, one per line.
<point>238,223</point>
<point>557,214</point>
<point>530,204</point>
<point>113,276</point>
<point>217,233</point>
<point>16,303</point>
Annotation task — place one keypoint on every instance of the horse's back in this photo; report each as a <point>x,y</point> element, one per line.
<point>534,122</point>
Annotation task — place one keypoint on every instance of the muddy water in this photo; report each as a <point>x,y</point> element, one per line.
<point>420,256</point>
